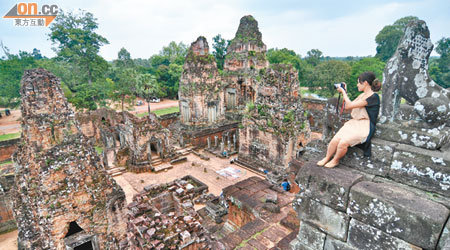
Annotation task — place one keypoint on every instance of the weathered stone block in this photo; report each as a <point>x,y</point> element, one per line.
<point>398,212</point>
<point>297,245</point>
<point>334,244</point>
<point>444,240</point>
<point>377,164</point>
<point>329,186</point>
<point>425,169</point>
<point>423,138</point>
<point>363,236</point>
<point>325,218</point>
<point>446,245</point>
<point>310,236</point>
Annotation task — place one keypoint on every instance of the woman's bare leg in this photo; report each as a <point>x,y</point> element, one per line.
<point>332,147</point>
<point>341,151</point>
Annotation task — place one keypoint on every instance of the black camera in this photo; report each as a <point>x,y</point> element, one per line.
<point>341,84</point>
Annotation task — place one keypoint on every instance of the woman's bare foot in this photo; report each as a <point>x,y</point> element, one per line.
<point>331,164</point>
<point>322,162</point>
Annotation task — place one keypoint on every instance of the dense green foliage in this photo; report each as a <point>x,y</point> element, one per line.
<point>440,68</point>
<point>220,50</point>
<point>388,38</point>
<point>77,43</point>
<point>367,64</point>
<point>11,71</point>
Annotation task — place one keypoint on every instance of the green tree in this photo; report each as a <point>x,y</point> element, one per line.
<point>76,42</point>
<point>314,57</point>
<point>284,56</point>
<point>36,54</point>
<point>124,87</point>
<point>124,59</point>
<point>220,46</point>
<point>388,38</point>
<point>440,70</point>
<point>326,74</point>
<point>148,88</point>
<point>174,52</point>
<point>11,71</point>
<point>167,67</point>
<point>69,73</point>
<point>366,64</point>
<point>90,96</point>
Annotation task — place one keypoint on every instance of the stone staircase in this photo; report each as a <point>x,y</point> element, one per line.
<point>116,171</point>
<point>397,199</point>
<point>111,168</point>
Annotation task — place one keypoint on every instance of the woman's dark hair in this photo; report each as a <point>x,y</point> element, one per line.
<point>371,79</point>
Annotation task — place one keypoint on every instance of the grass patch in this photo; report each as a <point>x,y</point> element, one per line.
<point>244,242</point>
<point>161,112</point>
<point>10,136</point>
<point>99,150</point>
<point>5,163</point>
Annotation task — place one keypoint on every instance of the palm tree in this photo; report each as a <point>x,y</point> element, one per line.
<point>148,87</point>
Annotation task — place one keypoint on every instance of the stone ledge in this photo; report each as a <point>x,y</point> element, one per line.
<point>378,163</point>
<point>425,169</point>
<point>423,138</point>
<point>323,217</point>
<point>329,186</point>
<point>444,240</point>
<point>334,244</point>
<point>398,212</point>
<point>362,236</point>
<point>311,236</point>
<point>297,245</point>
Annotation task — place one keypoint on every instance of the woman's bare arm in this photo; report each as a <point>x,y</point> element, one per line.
<point>351,104</point>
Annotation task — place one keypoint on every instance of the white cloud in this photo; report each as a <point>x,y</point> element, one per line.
<point>347,35</point>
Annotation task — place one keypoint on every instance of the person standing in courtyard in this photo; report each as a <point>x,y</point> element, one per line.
<point>360,129</point>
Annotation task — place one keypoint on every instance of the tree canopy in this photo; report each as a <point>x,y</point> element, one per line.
<point>220,46</point>
<point>77,43</point>
<point>388,38</point>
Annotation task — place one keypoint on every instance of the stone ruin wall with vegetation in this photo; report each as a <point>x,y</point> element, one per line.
<point>275,127</point>
<point>60,178</point>
<point>200,92</point>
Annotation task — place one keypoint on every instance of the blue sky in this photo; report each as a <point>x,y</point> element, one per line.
<point>337,28</point>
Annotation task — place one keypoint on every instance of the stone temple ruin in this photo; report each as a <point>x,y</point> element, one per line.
<point>275,129</point>
<point>128,142</point>
<point>64,196</point>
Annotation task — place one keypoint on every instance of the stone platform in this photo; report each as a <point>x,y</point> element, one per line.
<point>398,199</point>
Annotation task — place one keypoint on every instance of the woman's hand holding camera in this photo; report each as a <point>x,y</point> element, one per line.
<point>342,90</point>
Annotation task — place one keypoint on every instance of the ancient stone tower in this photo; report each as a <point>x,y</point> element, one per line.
<point>275,128</point>
<point>200,90</point>
<point>63,197</point>
<point>246,56</point>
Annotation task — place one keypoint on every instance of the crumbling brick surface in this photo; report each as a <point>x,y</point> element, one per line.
<point>132,139</point>
<point>200,91</point>
<point>275,126</point>
<point>59,176</point>
<point>250,212</point>
<point>163,217</point>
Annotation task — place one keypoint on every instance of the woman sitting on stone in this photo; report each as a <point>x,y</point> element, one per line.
<point>361,128</point>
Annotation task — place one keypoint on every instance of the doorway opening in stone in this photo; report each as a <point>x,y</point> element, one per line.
<point>153,149</point>
<point>84,246</point>
<point>73,229</point>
